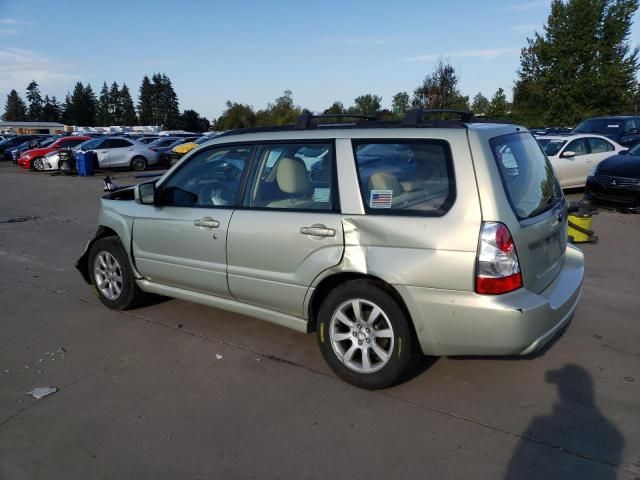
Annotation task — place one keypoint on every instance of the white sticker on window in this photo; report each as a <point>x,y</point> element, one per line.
<point>613,126</point>
<point>381,198</point>
<point>321,195</point>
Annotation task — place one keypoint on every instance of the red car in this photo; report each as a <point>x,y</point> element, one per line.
<point>33,158</point>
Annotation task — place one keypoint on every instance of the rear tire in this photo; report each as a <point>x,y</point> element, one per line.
<point>138,164</point>
<point>365,336</point>
<point>111,275</point>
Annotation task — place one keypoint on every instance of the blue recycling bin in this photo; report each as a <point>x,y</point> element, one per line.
<point>85,163</point>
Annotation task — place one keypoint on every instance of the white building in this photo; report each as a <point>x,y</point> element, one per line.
<point>32,127</point>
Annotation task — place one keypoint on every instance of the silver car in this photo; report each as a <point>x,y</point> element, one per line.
<point>387,239</point>
<point>120,152</point>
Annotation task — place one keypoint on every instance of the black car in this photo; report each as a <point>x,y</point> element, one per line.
<point>13,142</point>
<point>624,130</point>
<point>616,180</point>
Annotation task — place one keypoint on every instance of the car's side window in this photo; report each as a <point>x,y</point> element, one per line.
<point>209,179</point>
<point>578,147</point>
<point>409,176</point>
<point>598,145</point>
<point>292,176</point>
<point>118,143</point>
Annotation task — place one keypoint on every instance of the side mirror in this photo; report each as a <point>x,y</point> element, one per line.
<point>568,154</point>
<point>632,131</point>
<point>145,193</point>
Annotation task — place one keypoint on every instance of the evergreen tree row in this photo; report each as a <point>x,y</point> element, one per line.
<point>157,105</point>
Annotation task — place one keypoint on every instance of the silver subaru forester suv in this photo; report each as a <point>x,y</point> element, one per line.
<point>387,239</point>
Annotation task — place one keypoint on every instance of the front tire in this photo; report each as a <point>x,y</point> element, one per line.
<point>111,276</point>
<point>37,164</point>
<point>138,164</point>
<point>365,336</point>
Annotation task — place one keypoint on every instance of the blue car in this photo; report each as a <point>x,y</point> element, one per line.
<point>623,129</point>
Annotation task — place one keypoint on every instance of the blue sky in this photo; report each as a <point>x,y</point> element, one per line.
<point>250,51</point>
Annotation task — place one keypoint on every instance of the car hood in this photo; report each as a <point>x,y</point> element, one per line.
<point>620,166</point>
<point>38,152</point>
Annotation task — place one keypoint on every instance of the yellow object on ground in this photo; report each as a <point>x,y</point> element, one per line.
<point>580,228</point>
<point>185,147</point>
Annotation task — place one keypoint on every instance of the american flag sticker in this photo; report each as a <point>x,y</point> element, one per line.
<point>381,198</point>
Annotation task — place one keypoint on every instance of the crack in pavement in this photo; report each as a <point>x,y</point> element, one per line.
<point>382,393</point>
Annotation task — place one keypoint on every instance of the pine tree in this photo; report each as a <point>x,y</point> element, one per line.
<point>56,110</point>
<point>440,90</point>
<point>168,108</point>
<point>581,66</point>
<point>114,104</point>
<point>480,104</point>
<point>90,105</point>
<point>81,107</point>
<point>67,111</point>
<point>145,102</point>
<point>498,107</point>
<point>103,114</point>
<point>15,110</point>
<point>127,108</point>
<point>35,102</point>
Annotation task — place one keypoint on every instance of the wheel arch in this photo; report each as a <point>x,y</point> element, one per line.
<point>83,262</point>
<point>331,282</point>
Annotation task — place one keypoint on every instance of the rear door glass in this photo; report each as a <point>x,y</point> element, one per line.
<point>527,175</point>
<point>405,177</point>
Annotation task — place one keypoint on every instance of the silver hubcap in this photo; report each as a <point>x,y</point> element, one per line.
<point>107,275</point>
<point>37,165</point>
<point>361,335</point>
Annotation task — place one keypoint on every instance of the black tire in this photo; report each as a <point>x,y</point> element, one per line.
<point>130,294</point>
<point>139,164</point>
<point>403,351</point>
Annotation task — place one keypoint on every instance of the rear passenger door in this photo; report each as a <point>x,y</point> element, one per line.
<point>119,152</point>
<point>289,227</point>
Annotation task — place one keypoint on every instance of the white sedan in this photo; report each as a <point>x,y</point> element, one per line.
<point>572,156</point>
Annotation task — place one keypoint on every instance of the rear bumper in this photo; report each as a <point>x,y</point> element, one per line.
<point>518,323</point>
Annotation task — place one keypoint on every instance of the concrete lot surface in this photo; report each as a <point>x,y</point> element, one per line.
<point>180,391</point>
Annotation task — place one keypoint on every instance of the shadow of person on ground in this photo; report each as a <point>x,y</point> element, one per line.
<point>574,441</point>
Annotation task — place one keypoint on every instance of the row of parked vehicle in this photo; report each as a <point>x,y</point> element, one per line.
<point>135,152</point>
<point>601,154</point>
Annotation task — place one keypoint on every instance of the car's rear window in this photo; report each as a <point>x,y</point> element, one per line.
<point>527,175</point>
<point>405,177</point>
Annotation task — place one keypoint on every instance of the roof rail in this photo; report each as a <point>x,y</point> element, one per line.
<point>305,118</point>
<point>415,116</point>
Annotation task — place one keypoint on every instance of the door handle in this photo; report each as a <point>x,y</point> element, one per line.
<point>318,231</point>
<point>207,222</point>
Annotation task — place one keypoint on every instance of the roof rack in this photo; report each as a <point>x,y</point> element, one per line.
<point>305,119</point>
<point>415,116</point>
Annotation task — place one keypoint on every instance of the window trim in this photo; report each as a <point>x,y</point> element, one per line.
<point>390,212</point>
<point>197,153</point>
<point>335,197</point>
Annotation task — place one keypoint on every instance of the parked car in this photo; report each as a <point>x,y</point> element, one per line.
<point>455,258</point>
<point>15,152</point>
<point>573,156</point>
<point>118,152</point>
<point>13,142</point>
<point>550,131</point>
<point>624,130</point>
<point>164,148</point>
<point>34,158</point>
<point>182,149</point>
<point>616,180</point>
<point>147,139</point>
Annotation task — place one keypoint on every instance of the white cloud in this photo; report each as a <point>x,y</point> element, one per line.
<point>20,66</point>
<point>482,53</point>
<point>528,5</point>
<point>8,31</point>
<point>527,28</point>
<point>355,41</point>
<point>13,21</point>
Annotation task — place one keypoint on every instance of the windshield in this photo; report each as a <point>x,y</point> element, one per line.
<point>600,125</point>
<point>48,142</point>
<point>527,175</point>
<point>162,142</point>
<point>551,146</point>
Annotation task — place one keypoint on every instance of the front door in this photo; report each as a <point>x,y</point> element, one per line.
<point>182,241</point>
<point>289,229</point>
<point>119,152</point>
<point>573,168</point>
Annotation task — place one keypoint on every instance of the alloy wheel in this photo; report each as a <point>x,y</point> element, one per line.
<point>361,335</point>
<point>107,275</point>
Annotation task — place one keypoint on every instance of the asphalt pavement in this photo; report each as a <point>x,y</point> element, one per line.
<point>176,390</point>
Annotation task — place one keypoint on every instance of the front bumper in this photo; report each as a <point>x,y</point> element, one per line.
<point>24,163</point>
<point>622,196</point>
<point>451,322</point>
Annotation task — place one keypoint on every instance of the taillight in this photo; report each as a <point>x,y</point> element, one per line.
<point>498,268</point>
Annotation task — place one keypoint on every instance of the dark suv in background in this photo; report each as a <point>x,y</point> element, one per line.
<point>624,130</point>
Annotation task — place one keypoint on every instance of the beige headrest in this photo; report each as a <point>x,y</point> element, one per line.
<point>385,181</point>
<point>292,176</point>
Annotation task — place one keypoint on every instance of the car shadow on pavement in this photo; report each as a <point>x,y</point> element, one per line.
<point>587,442</point>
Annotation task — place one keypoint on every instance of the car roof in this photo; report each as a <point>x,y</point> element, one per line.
<point>572,136</point>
